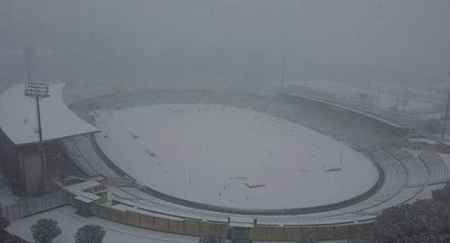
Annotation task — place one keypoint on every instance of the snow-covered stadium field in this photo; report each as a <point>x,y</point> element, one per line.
<point>231,157</point>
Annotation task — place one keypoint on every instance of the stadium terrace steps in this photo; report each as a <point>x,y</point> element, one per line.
<point>437,168</point>
<point>418,174</point>
<point>86,158</point>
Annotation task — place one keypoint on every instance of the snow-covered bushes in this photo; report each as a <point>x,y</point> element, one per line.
<point>90,234</point>
<point>45,230</point>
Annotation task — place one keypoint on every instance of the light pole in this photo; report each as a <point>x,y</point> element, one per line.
<point>283,71</point>
<point>37,90</point>
<point>444,126</point>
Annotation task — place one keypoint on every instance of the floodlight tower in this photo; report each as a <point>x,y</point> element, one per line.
<point>37,90</point>
<point>447,106</point>
<point>283,72</point>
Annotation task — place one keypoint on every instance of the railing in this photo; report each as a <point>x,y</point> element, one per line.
<point>185,227</point>
<point>201,228</point>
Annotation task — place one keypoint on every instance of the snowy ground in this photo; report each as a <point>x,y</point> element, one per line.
<point>6,195</point>
<point>115,233</point>
<point>232,157</point>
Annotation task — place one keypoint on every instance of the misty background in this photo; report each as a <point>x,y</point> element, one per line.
<point>227,42</point>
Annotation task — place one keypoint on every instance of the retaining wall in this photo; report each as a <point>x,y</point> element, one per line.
<point>258,233</point>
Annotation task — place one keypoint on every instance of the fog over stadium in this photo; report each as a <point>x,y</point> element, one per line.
<point>217,41</point>
<point>224,121</point>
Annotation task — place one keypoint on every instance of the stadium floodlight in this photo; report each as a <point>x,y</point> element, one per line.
<point>37,90</point>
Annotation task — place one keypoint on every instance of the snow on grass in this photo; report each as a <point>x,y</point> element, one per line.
<point>232,157</point>
<point>115,233</point>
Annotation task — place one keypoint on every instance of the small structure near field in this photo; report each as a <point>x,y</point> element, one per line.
<point>87,192</point>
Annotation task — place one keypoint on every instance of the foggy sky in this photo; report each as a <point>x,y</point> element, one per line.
<point>239,40</point>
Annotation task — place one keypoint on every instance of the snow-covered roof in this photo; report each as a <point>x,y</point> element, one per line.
<point>79,190</point>
<point>18,116</point>
<point>80,187</point>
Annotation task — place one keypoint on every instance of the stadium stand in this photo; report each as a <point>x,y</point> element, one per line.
<point>404,176</point>
<point>392,192</point>
<point>417,171</point>
<point>85,157</point>
<point>437,168</point>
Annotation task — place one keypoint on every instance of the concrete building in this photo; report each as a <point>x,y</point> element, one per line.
<point>23,142</point>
